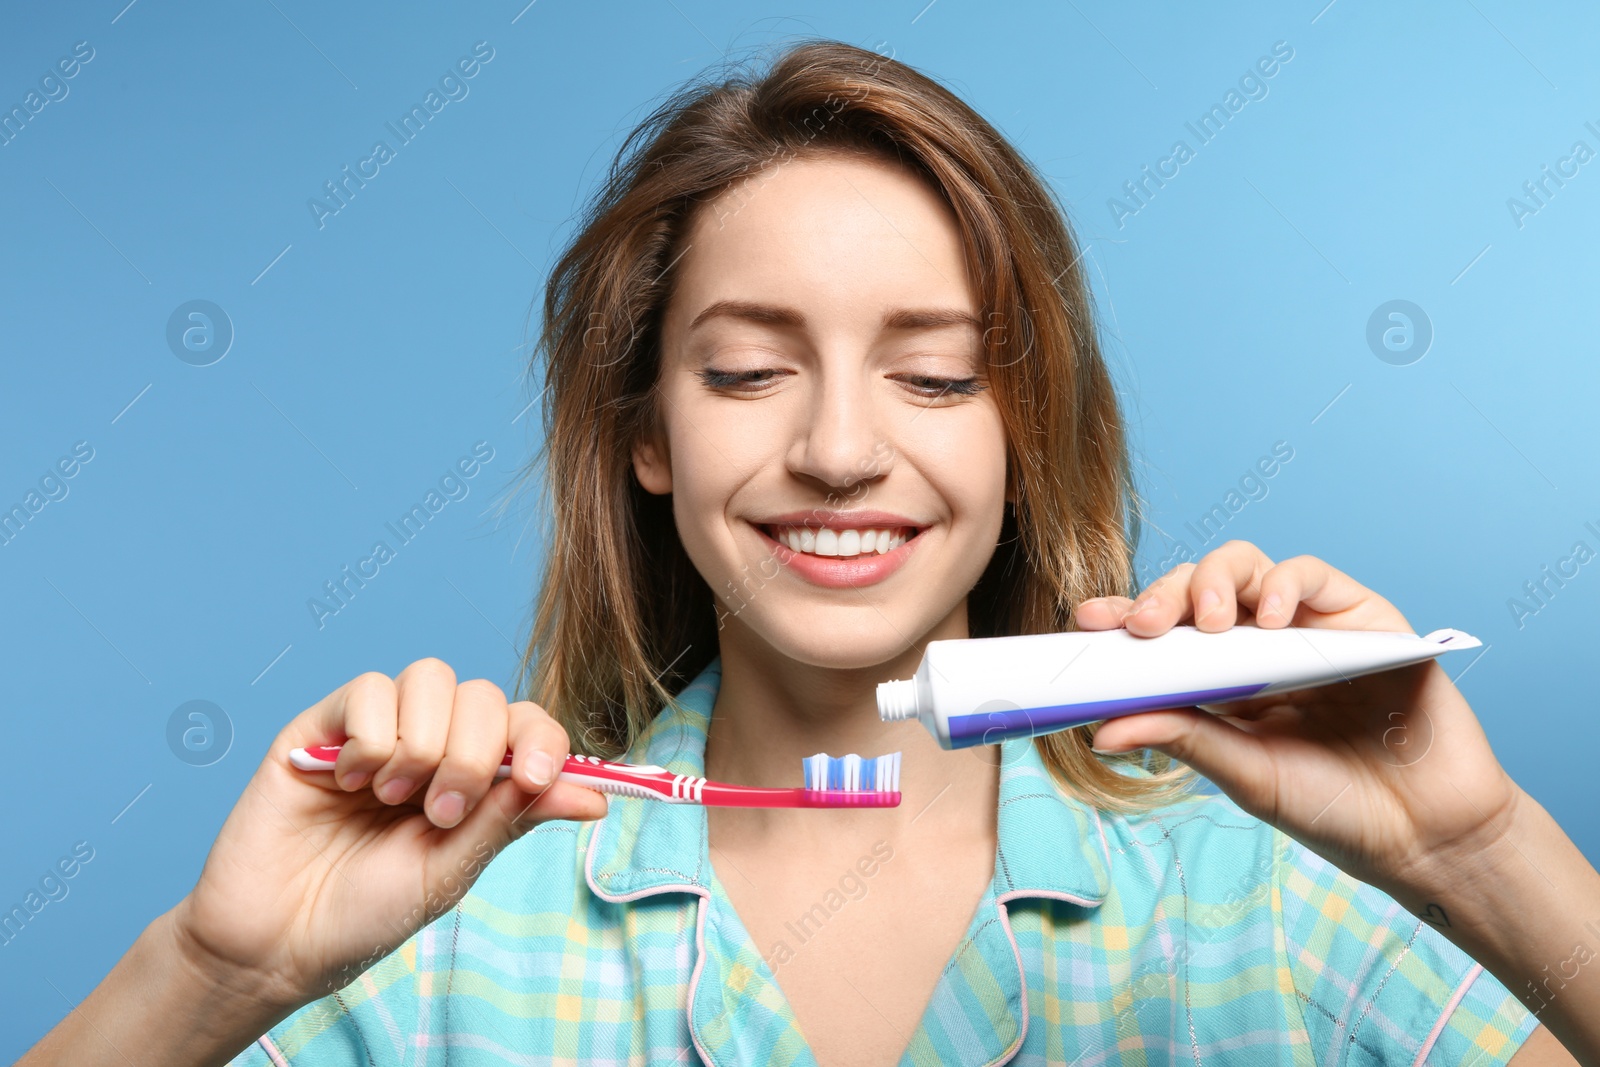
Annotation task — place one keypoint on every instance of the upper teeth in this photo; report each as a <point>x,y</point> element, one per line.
<point>825,542</point>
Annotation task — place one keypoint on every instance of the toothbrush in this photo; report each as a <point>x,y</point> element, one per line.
<point>831,782</point>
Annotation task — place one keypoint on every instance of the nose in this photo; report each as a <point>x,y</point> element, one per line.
<point>842,445</point>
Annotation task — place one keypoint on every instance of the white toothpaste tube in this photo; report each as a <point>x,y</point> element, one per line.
<point>984,690</point>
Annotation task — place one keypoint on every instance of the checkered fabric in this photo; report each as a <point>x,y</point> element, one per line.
<point>1193,934</point>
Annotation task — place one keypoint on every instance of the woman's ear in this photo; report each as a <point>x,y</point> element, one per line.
<point>652,464</point>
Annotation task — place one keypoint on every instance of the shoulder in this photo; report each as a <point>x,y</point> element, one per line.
<point>541,868</point>
<point>531,896</point>
<point>1215,850</point>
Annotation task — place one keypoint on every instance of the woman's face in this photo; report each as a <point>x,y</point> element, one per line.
<point>836,459</point>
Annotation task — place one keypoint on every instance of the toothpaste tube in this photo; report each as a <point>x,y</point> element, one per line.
<point>984,690</point>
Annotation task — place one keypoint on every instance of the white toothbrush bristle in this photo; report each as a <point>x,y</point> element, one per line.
<point>853,773</point>
<point>817,771</point>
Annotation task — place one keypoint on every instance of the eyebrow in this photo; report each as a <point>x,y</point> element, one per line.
<point>775,315</point>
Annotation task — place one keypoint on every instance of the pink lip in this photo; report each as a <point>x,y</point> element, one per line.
<point>831,572</point>
<point>840,520</point>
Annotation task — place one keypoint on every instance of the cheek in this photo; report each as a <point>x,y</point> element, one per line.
<point>711,460</point>
<point>965,456</point>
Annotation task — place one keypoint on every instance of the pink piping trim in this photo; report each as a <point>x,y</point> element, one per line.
<point>699,929</point>
<point>272,1051</point>
<point>1022,974</point>
<point>694,977</point>
<point>1082,902</point>
<point>1022,977</point>
<point>647,891</point>
<point>1444,1016</point>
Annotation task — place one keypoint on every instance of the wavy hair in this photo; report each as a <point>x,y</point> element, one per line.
<point>622,619</point>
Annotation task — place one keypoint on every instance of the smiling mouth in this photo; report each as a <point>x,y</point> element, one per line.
<point>841,544</point>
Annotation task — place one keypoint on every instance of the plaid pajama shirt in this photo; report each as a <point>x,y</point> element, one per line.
<point>1192,934</point>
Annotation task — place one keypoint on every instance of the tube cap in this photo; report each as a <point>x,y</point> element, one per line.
<point>897,700</point>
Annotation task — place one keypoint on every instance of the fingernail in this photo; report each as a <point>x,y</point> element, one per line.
<point>1209,602</point>
<point>357,780</point>
<point>395,790</point>
<point>1271,606</point>
<point>1138,607</point>
<point>541,768</point>
<point>448,808</point>
<point>1109,750</point>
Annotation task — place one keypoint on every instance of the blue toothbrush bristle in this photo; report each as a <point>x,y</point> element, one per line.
<point>852,773</point>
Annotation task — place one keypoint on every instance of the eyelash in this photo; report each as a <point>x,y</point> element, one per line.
<point>958,386</point>
<point>727,379</point>
<point>721,379</point>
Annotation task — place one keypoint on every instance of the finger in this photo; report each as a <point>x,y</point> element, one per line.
<point>1238,762</point>
<point>369,713</point>
<point>427,691</point>
<point>561,800</point>
<point>507,812</point>
<point>539,746</point>
<point>1102,612</point>
<point>474,748</point>
<point>1325,590</point>
<point>1162,603</point>
<point>1224,579</point>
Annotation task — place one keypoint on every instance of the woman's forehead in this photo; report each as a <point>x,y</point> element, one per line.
<point>821,236</point>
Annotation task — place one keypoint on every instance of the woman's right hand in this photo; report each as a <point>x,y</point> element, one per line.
<point>316,876</point>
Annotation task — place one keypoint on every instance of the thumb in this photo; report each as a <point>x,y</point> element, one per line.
<point>1235,760</point>
<point>506,813</point>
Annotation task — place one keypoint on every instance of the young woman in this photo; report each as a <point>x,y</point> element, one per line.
<point>833,298</point>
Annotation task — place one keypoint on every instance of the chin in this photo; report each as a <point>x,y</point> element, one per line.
<point>842,639</point>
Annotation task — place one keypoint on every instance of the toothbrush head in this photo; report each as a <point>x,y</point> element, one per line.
<point>851,781</point>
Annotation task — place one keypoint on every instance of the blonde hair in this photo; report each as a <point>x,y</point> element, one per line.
<point>623,620</point>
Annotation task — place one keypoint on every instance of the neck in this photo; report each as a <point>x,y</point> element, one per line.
<point>772,711</point>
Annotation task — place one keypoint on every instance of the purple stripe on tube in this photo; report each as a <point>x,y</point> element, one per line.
<point>992,727</point>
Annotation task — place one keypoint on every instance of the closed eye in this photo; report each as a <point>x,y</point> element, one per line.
<point>737,380</point>
<point>929,386</point>
<point>934,387</point>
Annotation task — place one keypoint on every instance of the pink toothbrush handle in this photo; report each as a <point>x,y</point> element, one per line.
<point>619,778</point>
<point>655,783</point>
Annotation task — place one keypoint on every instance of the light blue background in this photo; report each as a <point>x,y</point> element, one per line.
<point>374,352</point>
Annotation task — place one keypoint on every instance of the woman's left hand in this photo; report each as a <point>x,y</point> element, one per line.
<point>1389,776</point>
